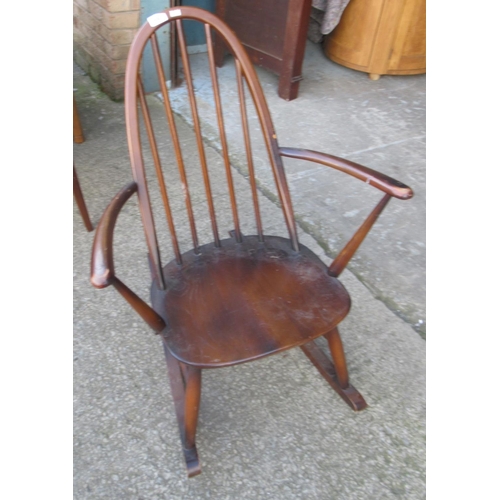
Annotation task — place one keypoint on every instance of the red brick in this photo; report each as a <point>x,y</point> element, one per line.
<point>102,3</point>
<point>122,20</point>
<point>120,37</point>
<point>82,3</point>
<point>96,10</point>
<point>118,67</point>
<point>116,51</point>
<point>85,18</point>
<point>120,6</point>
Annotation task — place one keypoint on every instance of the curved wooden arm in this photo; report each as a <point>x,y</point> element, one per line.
<point>102,269</point>
<point>383,182</point>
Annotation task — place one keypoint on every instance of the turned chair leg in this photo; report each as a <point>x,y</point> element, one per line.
<point>338,357</point>
<point>185,384</point>
<point>335,373</point>
<point>191,405</point>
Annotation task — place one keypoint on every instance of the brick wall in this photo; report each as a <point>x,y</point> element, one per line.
<point>102,33</point>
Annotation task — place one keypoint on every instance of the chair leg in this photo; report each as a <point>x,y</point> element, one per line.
<point>338,357</point>
<point>191,405</point>
<point>77,193</point>
<point>185,384</point>
<point>335,373</point>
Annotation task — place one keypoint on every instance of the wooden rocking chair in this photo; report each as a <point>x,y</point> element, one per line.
<point>241,298</point>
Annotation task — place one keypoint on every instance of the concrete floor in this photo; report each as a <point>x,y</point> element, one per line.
<point>274,428</point>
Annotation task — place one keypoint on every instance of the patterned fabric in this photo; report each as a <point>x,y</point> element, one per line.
<point>325,15</point>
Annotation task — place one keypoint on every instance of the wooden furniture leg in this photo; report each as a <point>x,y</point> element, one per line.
<point>294,48</point>
<point>191,404</point>
<point>338,357</point>
<point>186,395</point>
<point>77,192</point>
<point>335,374</point>
<point>77,126</point>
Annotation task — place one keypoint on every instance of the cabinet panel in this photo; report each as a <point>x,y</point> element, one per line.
<point>380,37</point>
<point>274,32</point>
<point>359,20</point>
<point>409,44</point>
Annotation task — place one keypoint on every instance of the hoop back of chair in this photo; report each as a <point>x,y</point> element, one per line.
<point>135,99</point>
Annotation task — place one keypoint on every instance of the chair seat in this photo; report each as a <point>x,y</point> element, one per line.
<point>243,301</point>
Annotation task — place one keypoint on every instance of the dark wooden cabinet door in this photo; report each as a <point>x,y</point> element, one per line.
<point>274,33</point>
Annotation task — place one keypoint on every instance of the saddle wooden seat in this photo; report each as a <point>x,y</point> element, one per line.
<point>231,300</point>
<point>243,301</point>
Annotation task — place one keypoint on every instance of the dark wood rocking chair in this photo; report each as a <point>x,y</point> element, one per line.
<point>241,298</point>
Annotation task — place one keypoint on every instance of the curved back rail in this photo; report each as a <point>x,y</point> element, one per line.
<point>135,99</point>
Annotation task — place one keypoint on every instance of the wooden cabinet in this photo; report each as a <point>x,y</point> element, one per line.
<point>274,33</point>
<point>380,37</point>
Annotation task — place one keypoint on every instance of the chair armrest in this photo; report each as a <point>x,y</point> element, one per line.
<point>383,182</point>
<point>102,268</point>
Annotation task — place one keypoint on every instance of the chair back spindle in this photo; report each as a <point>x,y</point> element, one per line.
<point>197,128</point>
<point>159,171</point>
<point>248,148</point>
<point>175,138</point>
<point>222,132</point>
<point>135,98</point>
